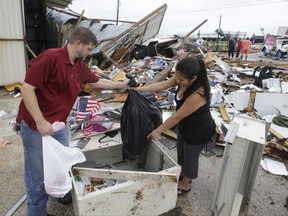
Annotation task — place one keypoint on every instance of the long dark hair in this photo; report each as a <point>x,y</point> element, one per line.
<point>190,67</point>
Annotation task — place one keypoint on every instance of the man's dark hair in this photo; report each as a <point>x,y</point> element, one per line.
<point>84,35</point>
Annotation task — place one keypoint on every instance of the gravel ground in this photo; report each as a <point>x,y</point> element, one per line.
<point>269,196</point>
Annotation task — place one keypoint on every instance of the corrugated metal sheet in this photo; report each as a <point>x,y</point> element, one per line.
<point>55,25</point>
<point>59,17</point>
<point>111,31</point>
<point>146,28</point>
<point>61,23</point>
<point>109,36</point>
<point>12,48</point>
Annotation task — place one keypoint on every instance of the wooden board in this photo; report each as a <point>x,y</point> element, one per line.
<point>277,135</point>
<point>12,86</point>
<point>251,102</point>
<point>170,133</point>
<point>162,75</point>
<point>224,114</point>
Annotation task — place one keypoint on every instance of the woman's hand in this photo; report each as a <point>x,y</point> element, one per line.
<point>138,89</point>
<point>154,135</point>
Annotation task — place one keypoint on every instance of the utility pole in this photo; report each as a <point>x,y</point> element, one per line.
<point>118,5</point>
<point>218,32</point>
<point>262,30</point>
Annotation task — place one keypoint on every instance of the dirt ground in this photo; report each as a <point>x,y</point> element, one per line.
<point>269,196</point>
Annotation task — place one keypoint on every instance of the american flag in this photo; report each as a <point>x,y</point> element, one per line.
<point>87,108</point>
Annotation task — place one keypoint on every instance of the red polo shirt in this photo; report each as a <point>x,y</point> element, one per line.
<point>57,83</point>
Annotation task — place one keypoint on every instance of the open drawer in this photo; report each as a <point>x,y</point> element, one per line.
<point>145,185</point>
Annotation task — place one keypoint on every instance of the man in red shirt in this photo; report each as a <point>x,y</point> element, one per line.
<point>246,45</point>
<point>239,47</point>
<point>52,83</point>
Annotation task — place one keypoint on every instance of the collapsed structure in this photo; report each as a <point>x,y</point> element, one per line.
<point>130,51</point>
<point>240,90</point>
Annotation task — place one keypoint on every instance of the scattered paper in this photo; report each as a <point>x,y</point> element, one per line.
<point>2,113</point>
<point>274,167</point>
<point>166,115</point>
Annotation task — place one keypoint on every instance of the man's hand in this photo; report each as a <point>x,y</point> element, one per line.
<point>45,128</point>
<point>125,84</point>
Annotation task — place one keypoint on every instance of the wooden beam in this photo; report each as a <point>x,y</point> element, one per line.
<point>162,75</point>
<point>277,135</point>
<point>170,133</point>
<point>251,101</point>
<point>79,19</point>
<point>224,113</point>
<point>189,33</point>
<point>277,146</point>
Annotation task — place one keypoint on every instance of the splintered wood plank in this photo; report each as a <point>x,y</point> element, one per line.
<point>276,145</point>
<point>170,133</point>
<point>276,150</point>
<point>224,114</point>
<point>277,135</point>
<point>251,100</point>
<point>162,75</point>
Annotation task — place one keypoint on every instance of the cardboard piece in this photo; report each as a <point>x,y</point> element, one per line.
<point>12,86</point>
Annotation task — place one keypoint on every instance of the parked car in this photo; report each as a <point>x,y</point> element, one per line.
<point>282,51</point>
<point>274,45</point>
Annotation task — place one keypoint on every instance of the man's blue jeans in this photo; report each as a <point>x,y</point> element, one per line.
<point>34,175</point>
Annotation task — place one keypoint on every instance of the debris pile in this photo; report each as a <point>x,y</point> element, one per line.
<point>130,51</point>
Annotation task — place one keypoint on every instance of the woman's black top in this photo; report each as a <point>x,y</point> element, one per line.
<point>198,127</point>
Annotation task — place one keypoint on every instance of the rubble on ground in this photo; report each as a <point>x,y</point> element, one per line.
<point>130,51</point>
<point>226,76</point>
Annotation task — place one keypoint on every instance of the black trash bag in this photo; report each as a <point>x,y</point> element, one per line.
<point>139,117</point>
<point>263,73</point>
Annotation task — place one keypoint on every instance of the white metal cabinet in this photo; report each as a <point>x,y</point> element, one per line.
<point>149,190</point>
<point>246,138</point>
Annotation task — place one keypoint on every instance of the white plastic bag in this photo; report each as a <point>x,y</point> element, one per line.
<point>57,162</point>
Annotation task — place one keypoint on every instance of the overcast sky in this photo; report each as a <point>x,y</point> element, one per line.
<point>182,16</point>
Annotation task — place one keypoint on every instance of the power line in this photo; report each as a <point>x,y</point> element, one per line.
<point>237,5</point>
<point>230,6</point>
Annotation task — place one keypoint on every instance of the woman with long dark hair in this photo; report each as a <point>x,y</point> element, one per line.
<point>195,123</point>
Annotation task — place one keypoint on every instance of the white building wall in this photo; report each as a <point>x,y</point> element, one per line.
<point>12,47</point>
